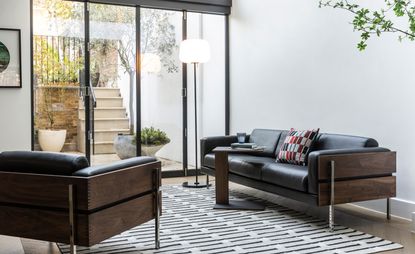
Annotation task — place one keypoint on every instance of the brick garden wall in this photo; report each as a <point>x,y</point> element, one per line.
<point>61,100</point>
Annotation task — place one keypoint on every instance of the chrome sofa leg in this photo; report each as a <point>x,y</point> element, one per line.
<point>72,247</point>
<point>331,207</point>
<point>388,209</point>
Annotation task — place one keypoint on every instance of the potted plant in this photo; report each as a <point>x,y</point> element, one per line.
<point>152,140</point>
<point>50,139</point>
<point>55,71</point>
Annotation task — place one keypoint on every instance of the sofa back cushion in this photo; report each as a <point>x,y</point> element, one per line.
<point>266,138</point>
<point>337,141</point>
<point>284,135</point>
<point>42,162</point>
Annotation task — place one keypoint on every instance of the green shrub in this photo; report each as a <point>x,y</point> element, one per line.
<point>152,136</point>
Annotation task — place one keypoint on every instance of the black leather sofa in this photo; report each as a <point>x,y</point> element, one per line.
<point>357,159</point>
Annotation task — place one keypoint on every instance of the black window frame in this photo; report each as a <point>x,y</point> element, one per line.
<point>216,7</point>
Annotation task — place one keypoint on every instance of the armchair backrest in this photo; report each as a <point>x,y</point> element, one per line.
<point>42,162</point>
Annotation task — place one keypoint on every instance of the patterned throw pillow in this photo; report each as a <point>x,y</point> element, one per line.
<point>297,146</point>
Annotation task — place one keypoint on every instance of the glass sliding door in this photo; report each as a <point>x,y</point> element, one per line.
<point>88,97</point>
<point>112,31</point>
<point>210,90</point>
<point>58,61</point>
<point>161,87</point>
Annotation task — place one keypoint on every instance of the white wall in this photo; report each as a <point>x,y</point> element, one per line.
<point>15,125</point>
<point>295,65</point>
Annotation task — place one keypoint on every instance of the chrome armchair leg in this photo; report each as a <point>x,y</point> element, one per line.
<point>157,206</point>
<point>72,247</point>
<point>331,207</point>
<point>331,218</point>
<point>388,209</point>
<point>157,222</point>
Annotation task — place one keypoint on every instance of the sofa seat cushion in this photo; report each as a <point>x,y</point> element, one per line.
<point>242,164</point>
<point>42,162</point>
<point>286,175</point>
<point>102,169</point>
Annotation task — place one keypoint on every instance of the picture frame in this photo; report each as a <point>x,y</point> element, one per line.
<point>10,58</point>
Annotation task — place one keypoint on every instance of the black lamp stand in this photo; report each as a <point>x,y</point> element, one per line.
<point>196,184</point>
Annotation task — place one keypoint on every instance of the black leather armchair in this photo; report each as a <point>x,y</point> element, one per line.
<point>59,198</point>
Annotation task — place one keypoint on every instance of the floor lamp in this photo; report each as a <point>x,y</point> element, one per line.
<point>195,51</point>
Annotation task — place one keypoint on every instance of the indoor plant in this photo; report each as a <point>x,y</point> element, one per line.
<point>152,140</point>
<point>50,139</point>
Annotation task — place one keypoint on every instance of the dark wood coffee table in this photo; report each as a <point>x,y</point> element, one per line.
<point>222,181</point>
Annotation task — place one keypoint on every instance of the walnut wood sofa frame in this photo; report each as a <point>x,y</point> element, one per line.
<point>348,178</point>
<point>342,178</point>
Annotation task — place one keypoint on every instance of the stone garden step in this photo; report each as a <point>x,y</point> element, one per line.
<point>108,124</point>
<point>105,102</point>
<point>111,112</point>
<point>107,92</point>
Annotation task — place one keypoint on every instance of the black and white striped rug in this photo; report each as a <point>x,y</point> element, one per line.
<point>190,225</point>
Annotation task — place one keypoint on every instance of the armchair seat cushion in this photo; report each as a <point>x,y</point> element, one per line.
<point>42,162</point>
<point>101,169</point>
<point>242,164</point>
<point>286,175</point>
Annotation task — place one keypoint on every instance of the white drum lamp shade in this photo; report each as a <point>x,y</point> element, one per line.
<point>194,51</point>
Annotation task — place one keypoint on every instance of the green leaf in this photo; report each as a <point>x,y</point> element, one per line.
<point>361,46</point>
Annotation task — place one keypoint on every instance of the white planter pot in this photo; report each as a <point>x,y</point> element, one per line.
<point>151,150</point>
<point>125,149</point>
<point>52,140</point>
<point>123,145</point>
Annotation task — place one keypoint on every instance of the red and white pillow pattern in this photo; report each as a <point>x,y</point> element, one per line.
<point>297,146</point>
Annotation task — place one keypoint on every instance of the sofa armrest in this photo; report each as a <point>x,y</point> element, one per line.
<point>322,156</point>
<point>118,165</point>
<point>209,143</point>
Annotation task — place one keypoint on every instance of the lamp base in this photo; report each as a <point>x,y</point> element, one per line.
<point>195,185</point>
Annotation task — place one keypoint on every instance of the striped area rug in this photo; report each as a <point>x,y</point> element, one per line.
<point>190,225</point>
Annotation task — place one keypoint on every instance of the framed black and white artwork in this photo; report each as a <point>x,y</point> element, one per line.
<point>10,58</point>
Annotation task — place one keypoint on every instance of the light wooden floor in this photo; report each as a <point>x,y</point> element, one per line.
<point>396,230</point>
